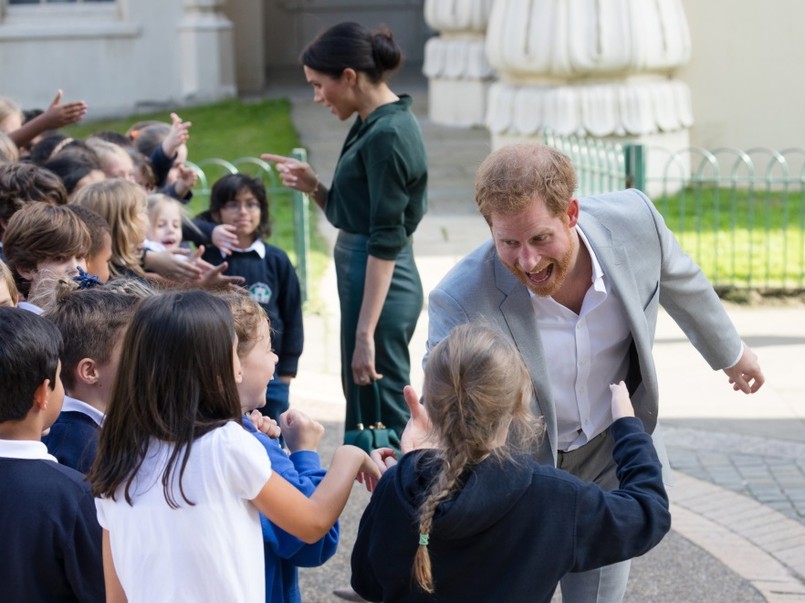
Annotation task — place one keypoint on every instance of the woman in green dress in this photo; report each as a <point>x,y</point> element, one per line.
<point>376,200</point>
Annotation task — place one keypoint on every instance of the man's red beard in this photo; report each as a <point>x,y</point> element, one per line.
<point>549,276</point>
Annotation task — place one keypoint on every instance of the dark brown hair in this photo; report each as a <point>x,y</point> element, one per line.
<point>175,384</point>
<point>91,321</point>
<point>40,232</point>
<point>351,45</point>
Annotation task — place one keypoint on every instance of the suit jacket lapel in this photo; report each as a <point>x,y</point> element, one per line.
<point>518,314</point>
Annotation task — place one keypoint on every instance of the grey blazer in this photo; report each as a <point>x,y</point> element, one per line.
<point>647,267</point>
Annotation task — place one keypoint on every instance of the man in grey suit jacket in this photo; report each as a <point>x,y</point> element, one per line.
<point>577,284</point>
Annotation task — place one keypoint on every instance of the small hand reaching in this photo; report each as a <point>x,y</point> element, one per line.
<point>178,135</point>
<point>224,238</point>
<point>301,431</point>
<point>418,432</point>
<point>621,403</point>
<point>265,424</point>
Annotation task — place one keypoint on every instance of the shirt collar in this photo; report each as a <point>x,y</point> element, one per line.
<point>598,272</point>
<point>75,405</point>
<point>258,247</point>
<point>29,450</point>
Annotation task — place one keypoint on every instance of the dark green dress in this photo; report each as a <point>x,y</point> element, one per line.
<point>377,199</point>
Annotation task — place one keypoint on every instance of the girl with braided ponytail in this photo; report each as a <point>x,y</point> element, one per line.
<point>469,515</point>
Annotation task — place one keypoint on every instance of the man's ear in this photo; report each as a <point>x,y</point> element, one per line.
<point>87,371</point>
<point>41,395</point>
<point>572,212</point>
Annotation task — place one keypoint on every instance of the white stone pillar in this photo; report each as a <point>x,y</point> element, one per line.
<point>600,68</point>
<point>206,52</point>
<point>455,61</point>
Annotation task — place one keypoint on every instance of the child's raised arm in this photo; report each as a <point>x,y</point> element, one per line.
<point>310,518</point>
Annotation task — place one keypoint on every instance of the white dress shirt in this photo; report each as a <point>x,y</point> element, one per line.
<point>584,353</point>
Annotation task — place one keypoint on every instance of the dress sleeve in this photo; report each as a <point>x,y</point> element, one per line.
<point>387,174</point>
<point>247,465</point>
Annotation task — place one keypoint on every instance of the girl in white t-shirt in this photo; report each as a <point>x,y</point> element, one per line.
<point>178,481</point>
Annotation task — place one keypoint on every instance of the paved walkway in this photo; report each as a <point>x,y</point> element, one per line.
<point>739,499</point>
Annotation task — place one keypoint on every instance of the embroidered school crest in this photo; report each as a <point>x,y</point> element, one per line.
<point>260,292</point>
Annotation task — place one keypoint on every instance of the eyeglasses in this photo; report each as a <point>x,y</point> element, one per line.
<point>236,206</point>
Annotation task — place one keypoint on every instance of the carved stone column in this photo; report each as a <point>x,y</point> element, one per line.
<point>455,62</point>
<point>206,51</point>
<point>600,68</point>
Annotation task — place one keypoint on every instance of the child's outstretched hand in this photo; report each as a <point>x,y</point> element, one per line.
<point>185,180</point>
<point>621,403</point>
<point>224,238</point>
<point>369,473</point>
<point>301,432</point>
<point>212,276</point>
<point>417,433</point>
<point>179,134</point>
<point>265,424</point>
<point>58,115</point>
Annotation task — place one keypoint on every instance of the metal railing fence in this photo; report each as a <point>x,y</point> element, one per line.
<point>740,214</point>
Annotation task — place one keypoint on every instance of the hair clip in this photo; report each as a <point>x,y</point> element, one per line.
<point>424,539</point>
<point>86,281</point>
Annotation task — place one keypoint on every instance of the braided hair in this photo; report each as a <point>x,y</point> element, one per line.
<point>477,393</point>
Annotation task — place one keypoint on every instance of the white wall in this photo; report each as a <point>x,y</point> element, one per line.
<point>745,73</point>
<point>118,64</point>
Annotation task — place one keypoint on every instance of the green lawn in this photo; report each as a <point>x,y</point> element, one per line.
<point>231,130</point>
<point>741,238</point>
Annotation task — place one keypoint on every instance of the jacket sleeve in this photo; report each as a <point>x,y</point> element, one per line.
<point>303,470</point>
<point>627,522</point>
<point>290,309</point>
<point>689,298</point>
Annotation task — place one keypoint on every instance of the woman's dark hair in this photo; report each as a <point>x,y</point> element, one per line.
<point>175,384</point>
<point>351,45</point>
<point>227,188</point>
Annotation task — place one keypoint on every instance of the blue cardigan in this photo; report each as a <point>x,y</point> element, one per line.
<point>285,553</point>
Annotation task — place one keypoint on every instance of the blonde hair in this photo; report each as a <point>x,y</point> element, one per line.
<point>106,151</point>
<point>120,203</point>
<point>7,108</point>
<point>155,203</point>
<point>7,276</point>
<point>247,315</point>
<point>9,153</point>
<point>476,387</point>
<point>511,178</point>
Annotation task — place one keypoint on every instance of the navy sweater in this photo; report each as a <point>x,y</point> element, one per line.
<point>271,282</point>
<point>513,530</point>
<point>73,440</point>
<point>51,543</point>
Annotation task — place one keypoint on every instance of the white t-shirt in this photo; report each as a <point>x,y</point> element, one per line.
<point>210,551</point>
